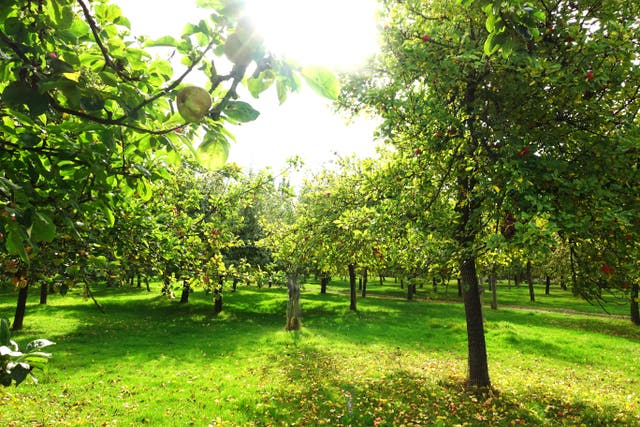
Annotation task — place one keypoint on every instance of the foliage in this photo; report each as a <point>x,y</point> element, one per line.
<point>15,365</point>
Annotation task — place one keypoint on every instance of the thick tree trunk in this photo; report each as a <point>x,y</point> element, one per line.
<point>352,286</point>
<point>184,298</point>
<point>294,311</point>
<point>547,285</point>
<point>364,283</point>
<point>635,314</point>
<point>21,308</point>
<point>44,292</point>
<point>532,295</point>
<point>477,359</point>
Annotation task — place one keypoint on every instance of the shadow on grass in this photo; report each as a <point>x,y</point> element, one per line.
<point>320,392</point>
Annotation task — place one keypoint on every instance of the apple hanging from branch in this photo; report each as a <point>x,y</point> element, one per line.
<point>193,103</point>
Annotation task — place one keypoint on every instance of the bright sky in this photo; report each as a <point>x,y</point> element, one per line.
<point>335,33</point>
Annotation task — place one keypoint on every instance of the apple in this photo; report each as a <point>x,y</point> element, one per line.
<point>589,76</point>
<point>244,44</point>
<point>193,103</point>
<point>426,38</point>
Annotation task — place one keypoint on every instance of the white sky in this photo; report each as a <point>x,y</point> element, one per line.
<point>335,33</point>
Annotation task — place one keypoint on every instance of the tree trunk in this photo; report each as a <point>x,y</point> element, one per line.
<point>459,287</point>
<point>410,290</point>
<point>547,285</point>
<point>294,311</point>
<point>324,282</point>
<point>352,286</point>
<point>493,283</point>
<point>44,292</point>
<point>381,280</point>
<point>635,314</point>
<point>477,358</point>
<point>365,278</point>
<point>532,296</point>
<point>234,284</point>
<point>184,298</point>
<point>21,308</point>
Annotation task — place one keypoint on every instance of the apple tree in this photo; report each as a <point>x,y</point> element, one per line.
<point>511,103</point>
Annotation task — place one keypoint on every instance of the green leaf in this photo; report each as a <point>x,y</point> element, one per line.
<point>322,81</point>
<point>144,190</point>
<point>241,111</point>
<point>18,94</point>
<point>162,41</point>
<point>43,229</point>
<point>214,151</point>
<point>15,245</point>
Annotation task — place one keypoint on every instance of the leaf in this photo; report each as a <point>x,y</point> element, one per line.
<point>144,190</point>
<point>43,229</point>
<point>214,151</point>
<point>38,344</point>
<point>162,41</point>
<point>7,351</point>
<point>18,94</point>
<point>15,246</point>
<point>322,81</point>
<point>19,372</point>
<point>241,111</point>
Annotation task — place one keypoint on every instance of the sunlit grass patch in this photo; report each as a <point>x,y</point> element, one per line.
<point>151,361</point>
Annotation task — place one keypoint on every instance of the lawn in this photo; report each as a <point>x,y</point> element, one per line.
<point>152,361</point>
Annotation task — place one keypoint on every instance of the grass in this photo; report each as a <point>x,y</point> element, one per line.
<point>151,361</point>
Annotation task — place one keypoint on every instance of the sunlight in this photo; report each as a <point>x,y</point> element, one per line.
<point>334,33</point>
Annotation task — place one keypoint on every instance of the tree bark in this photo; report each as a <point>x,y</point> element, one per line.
<point>352,287</point>
<point>410,290</point>
<point>477,359</point>
<point>532,296</point>
<point>44,292</point>
<point>547,285</point>
<point>635,314</point>
<point>21,308</point>
<point>217,297</point>
<point>493,283</point>
<point>324,282</point>
<point>365,279</point>
<point>294,311</point>
<point>184,298</point>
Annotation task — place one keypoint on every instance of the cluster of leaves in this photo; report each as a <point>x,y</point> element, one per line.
<point>15,365</point>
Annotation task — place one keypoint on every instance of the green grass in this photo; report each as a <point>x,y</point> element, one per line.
<point>151,361</point>
<point>509,295</point>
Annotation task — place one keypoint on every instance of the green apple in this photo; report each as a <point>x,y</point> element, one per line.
<point>193,103</point>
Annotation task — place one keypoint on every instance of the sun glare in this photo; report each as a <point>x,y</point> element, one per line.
<point>335,33</point>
